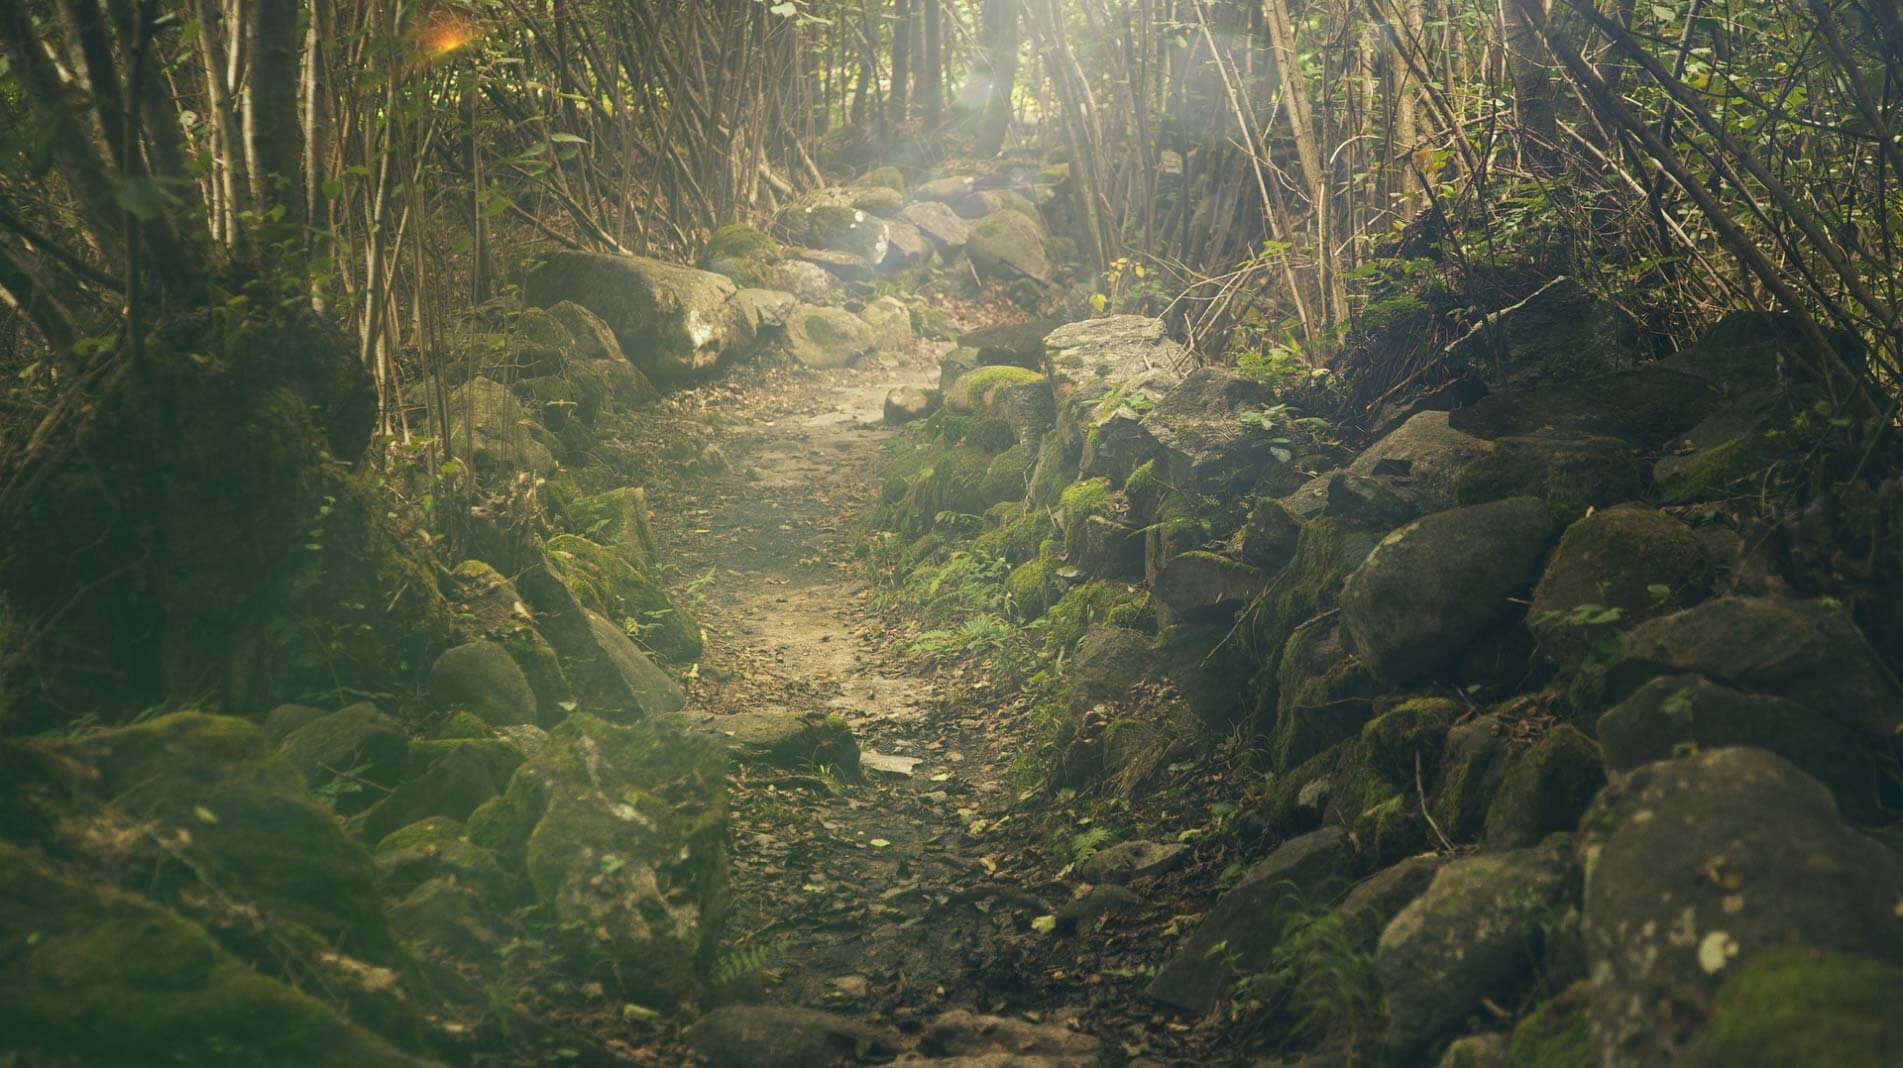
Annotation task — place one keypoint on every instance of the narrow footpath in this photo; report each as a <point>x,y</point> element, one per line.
<point>899,894</point>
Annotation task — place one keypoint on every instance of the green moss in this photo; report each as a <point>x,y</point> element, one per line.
<point>1081,608</point>
<point>887,176</point>
<point>1017,537</point>
<point>1287,814</point>
<point>981,389</point>
<point>1081,499</point>
<point>1801,1006</point>
<point>96,976</point>
<point>1415,729</point>
<point>612,583</point>
<point>463,725</point>
<point>1546,789</point>
<point>1143,488</point>
<point>1555,1035</point>
<point>1711,473</point>
<point>1137,613</point>
<point>1031,586</point>
<point>1005,477</point>
<point>1326,552</point>
<point>740,241</point>
<point>619,518</point>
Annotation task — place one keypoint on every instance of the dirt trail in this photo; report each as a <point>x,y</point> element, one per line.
<point>875,899</point>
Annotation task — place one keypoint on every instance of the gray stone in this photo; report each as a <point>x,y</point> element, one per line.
<point>1203,445</point>
<point>782,739</point>
<point>1129,861</point>
<point>667,318</point>
<point>1806,651</point>
<point>483,678</point>
<point>1614,559</point>
<point>1098,904</point>
<point>809,282</point>
<point>1246,923</point>
<point>1471,936</point>
<point>826,337</point>
<point>937,222</point>
<point>891,323</point>
<point>1006,245</point>
<point>1645,408</point>
<point>907,248</point>
<point>1269,536</point>
<point>1421,461</point>
<point>489,426</point>
<point>1698,868</point>
<point>908,404</point>
<point>358,744</point>
<point>653,692</point>
<point>1430,588</point>
<point>1673,714</point>
<point>960,1033</point>
<point>1121,352</point>
<point>1199,585</point>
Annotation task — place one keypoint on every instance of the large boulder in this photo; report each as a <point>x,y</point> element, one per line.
<point>488,608</point>
<point>1006,245</point>
<point>1675,714</point>
<point>622,833</point>
<point>1560,333</point>
<point>1804,1007</point>
<point>668,318</point>
<point>1633,561</point>
<point>1430,588</point>
<point>827,337</point>
<point>1807,651</point>
<point>456,776</point>
<point>1241,932</point>
<point>1646,408</point>
<point>341,753</point>
<point>1114,351</point>
<point>615,581</point>
<point>1473,935</point>
<point>1203,586</point>
<point>1698,869</point>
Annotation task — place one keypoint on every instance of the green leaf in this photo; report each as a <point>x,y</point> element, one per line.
<point>1044,924</point>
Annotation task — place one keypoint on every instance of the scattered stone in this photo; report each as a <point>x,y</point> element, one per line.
<point>966,1034</point>
<point>1247,920</point>
<point>1428,589</point>
<point>1127,862</point>
<point>938,222</point>
<point>1633,559</point>
<point>907,247</point>
<point>483,678</point>
<point>948,189</point>
<point>1672,714</point>
<point>826,337</point>
<point>1470,937</point>
<point>888,764</point>
<point>790,740</point>
<point>1697,870</point>
<point>891,323</point>
<point>908,404</point>
<point>776,1036</point>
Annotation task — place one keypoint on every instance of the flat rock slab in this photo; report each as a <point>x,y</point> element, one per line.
<point>774,1036</point>
<point>1129,861</point>
<point>888,764</point>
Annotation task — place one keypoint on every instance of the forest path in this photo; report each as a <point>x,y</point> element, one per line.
<point>891,899</point>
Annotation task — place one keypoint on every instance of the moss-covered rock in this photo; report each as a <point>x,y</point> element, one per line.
<point>99,976</point>
<point>611,583</point>
<point>488,608</point>
<point>1410,735</point>
<point>1803,1007</point>
<point>481,677</point>
<point>1082,607</point>
<point>1326,551</point>
<point>1323,693</point>
<point>1571,475</point>
<point>1473,762</point>
<point>358,746</point>
<point>1555,1035</point>
<point>622,831</point>
<point>826,337</point>
<point>438,848</point>
<point>667,318</point>
<point>1006,245</point>
<point>1545,789</point>
<point>453,778</point>
<point>1635,560</point>
<point>1031,587</point>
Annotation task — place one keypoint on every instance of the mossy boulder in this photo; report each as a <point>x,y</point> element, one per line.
<point>1410,737</point>
<point>1473,935</point>
<point>489,608</point>
<point>490,428</point>
<point>1020,398</point>
<point>1009,344</point>
<point>776,738</point>
<point>877,200</point>
<point>939,223</point>
<point>1555,1035</point>
<point>888,176</point>
<point>891,323</point>
<point>1323,693</point>
<point>1327,551</point>
<point>1799,1006</point>
<point>622,831</point>
<point>610,582</point>
<point>1676,714</point>
<point>1708,868</point>
<point>1430,588</point>
<point>1728,452</point>
<point>1635,560</point>
<point>1007,245</point>
<point>1572,475</point>
<point>1031,587</point>
<point>1200,586</point>
<point>438,848</point>
<point>482,677</point>
<point>1081,607</point>
<point>357,745</point>
<point>1267,539</point>
<point>1473,763</point>
<point>454,777</point>
<point>1421,460</point>
<point>1545,789</point>
<point>96,975</point>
